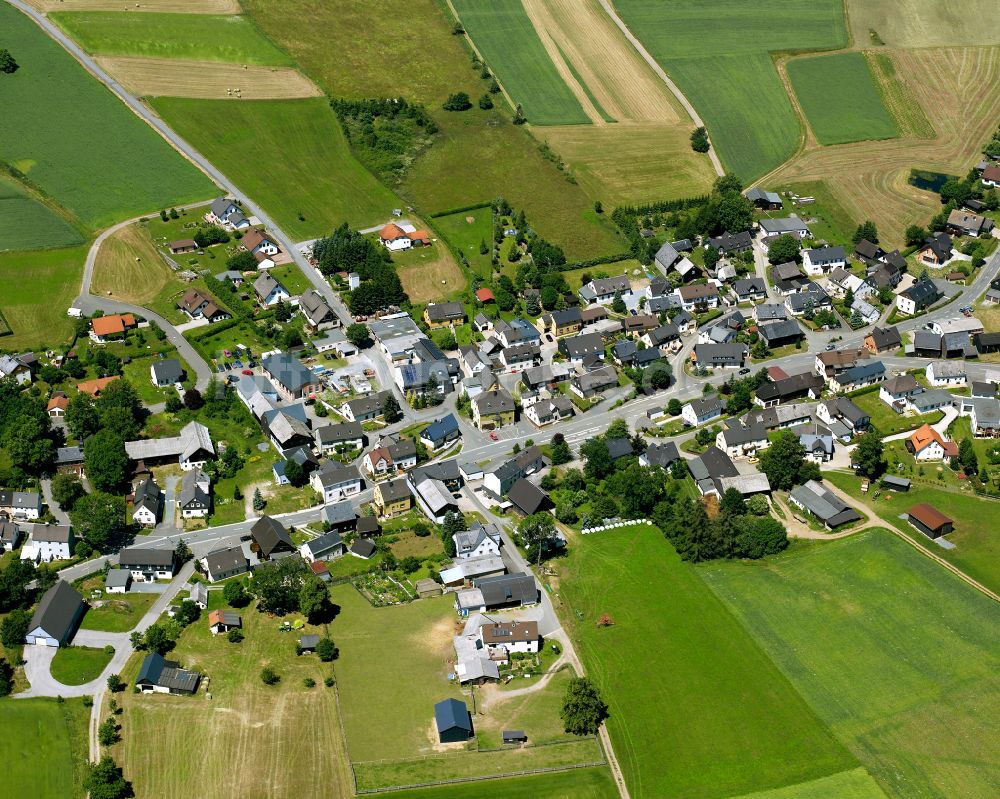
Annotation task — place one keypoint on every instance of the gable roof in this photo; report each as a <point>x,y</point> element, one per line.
<point>450,714</point>
<point>928,515</point>
<point>156,670</point>
<point>271,536</point>
<point>57,611</point>
<point>267,283</point>
<point>110,325</point>
<point>885,337</point>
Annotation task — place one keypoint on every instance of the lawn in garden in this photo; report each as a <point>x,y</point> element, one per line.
<point>897,655</point>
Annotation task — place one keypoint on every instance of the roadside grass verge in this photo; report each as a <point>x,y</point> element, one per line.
<point>195,37</point>
<point>895,653</point>
<point>735,723</point>
<point>311,182</point>
<point>78,143</point>
<point>76,665</point>
<point>840,99</point>
<point>44,747</point>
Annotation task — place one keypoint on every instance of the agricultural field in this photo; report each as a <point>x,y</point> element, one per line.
<point>198,742</point>
<point>26,223</point>
<point>735,725</point>
<point>44,731</point>
<point>854,784</point>
<point>959,92</point>
<point>195,37</point>
<point>156,6</point>
<point>478,154</point>
<point>311,184</point>
<point>55,113</point>
<point>734,83</point>
<point>532,72</point>
<point>896,654</point>
<point>390,733</point>
<point>38,288</point>
<point>977,547</point>
<point>429,273</point>
<point>583,783</point>
<point>156,77</point>
<point>923,23</point>
<point>839,98</point>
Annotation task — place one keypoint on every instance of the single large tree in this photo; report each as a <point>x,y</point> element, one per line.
<point>782,461</point>
<point>276,585</point>
<point>314,599</point>
<point>105,460</point>
<point>536,533</point>
<point>99,519</point>
<point>868,455</point>
<point>357,334</point>
<point>390,409</point>
<point>583,710</point>
<point>782,249</point>
<point>7,63</point>
<point>106,781</point>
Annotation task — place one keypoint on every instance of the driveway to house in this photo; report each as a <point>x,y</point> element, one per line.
<point>950,415</point>
<point>61,516</point>
<point>38,659</point>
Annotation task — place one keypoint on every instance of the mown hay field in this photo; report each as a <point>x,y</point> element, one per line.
<point>722,63</point>
<point>38,287</point>
<point>840,99</point>
<point>959,91</point>
<point>129,267</point>
<point>697,709</point>
<point>924,23</point>
<point>854,784</point>
<point>289,155</point>
<point>583,783</point>
<point>509,43</point>
<point>478,154</point>
<point>44,747</point>
<point>196,37</point>
<point>156,6</point>
<point>896,654</point>
<point>26,223</point>
<point>286,735</point>
<point>429,273</point>
<point>78,143</point>
<point>158,77</point>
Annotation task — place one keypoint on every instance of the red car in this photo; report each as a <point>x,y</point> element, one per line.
<point>494,437</point>
<point>248,372</point>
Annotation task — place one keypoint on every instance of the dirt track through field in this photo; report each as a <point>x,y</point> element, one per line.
<point>959,90</point>
<point>162,6</point>
<point>166,77</point>
<point>618,78</point>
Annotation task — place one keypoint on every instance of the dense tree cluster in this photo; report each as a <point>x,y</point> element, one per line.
<point>784,462</point>
<point>730,534</point>
<point>25,434</point>
<point>699,140</point>
<point>385,134</point>
<point>346,250</point>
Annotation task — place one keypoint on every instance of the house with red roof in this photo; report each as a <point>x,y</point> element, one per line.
<point>395,238</point>
<point>485,296</point>
<point>103,327</point>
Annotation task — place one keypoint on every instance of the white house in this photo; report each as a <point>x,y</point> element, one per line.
<point>48,542</point>
<point>502,638</point>
<point>269,290</point>
<point>147,503</point>
<point>148,563</point>
<point>56,617</point>
<point>21,504</point>
<point>334,481</point>
<point>822,260</point>
<point>194,500</point>
<point>946,373</point>
<point>481,541</point>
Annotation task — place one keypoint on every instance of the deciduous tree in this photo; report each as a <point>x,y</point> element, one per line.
<point>583,710</point>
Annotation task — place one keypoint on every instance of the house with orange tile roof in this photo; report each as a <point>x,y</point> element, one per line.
<point>402,237</point>
<point>927,444</point>
<point>95,387</point>
<point>57,405</point>
<point>104,327</point>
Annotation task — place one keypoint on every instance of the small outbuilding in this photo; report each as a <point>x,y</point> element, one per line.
<point>929,520</point>
<point>514,737</point>
<point>308,643</point>
<point>118,581</point>
<point>221,621</point>
<point>894,483</point>
<point>454,723</point>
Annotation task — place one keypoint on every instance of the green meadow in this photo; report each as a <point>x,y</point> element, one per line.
<point>583,783</point>
<point>27,224</point>
<point>898,656</point>
<point>289,155</point>
<point>722,62</point>
<point>44,747</point>
<point>78,143</point>
<point>510,45</point>
<point>839,98</point>
<point>697,709</point>
<point>195,37</point>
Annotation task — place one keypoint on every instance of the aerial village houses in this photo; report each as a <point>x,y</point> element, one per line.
<point>201,306</point>
<point>444,314</point>
<point>56,617</point>
<point>227,213</point>
<point>192,449</point>
<point>106,328</point>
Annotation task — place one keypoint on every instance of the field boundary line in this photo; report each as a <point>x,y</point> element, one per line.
<point>675,90</point>
<point>505,775</point>
<point>479,55</point>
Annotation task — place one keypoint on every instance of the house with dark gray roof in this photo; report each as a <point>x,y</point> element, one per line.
<point>603,290</point>
<point>662,455</point>
<point>453,721</point>
<point>780,333</point>
<point>147,503</point>
<point>765,200</point>
<point>57,616</point>
<point>342,437</point>
<point>223,563</point>
<point>527,498</point>
<point>822,503</point>
<point>720,356</point>
<point>789,388</point>
<point>158,675</point>
<point>292,378</point>
<point>148,563</point>
<point>166,372</point>
<point>922,294</point>
<point>729,243</point>
<point>269,290</point>
<point>319,315</point>
<point>270,540</point>
<point>441,433</point>
<point>883,339</point>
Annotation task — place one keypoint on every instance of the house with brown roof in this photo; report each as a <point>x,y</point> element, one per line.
<point>929,520</point>
<point>103,328</point>
<point>202,306</point>
<point>965,223</point>
<point>96,386</point>
<point>182,246</point>
<point>699,296</point>
<point>57,405</point>
<point>255,242</point>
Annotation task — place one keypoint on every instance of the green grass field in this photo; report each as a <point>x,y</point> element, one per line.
<point>510,45</point>
<point>897,655</point>
<point>478,154</point>
<point>840,99</point>
<point>76,665</point>
<point>44,731</point>
<point>76,141</point>
<point>854,784</point>
<point>887,420</point>
<point>27,224</point>
<point>118,614</point>
<point>196,37</point>
<point>38,288</point>
<point>977,545</point>
<point>721,62</point>
<point>466,237</point>
<point>309,168</point>
<point>697,708</point>
<point>585,783</point>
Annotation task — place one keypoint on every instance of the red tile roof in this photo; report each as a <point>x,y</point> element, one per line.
<point>109,325</point>
<point>485,295</point>
<point>391,232</point>
<point>95,387</point>
<point>928,515</point>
